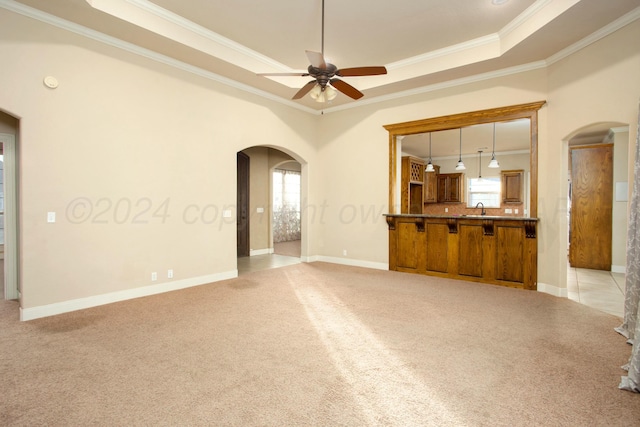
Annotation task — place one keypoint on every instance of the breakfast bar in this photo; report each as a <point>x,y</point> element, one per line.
<point>480,248</point>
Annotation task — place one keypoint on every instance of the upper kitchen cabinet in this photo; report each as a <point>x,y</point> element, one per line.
<point>412,185</point>
<point>512,186</point>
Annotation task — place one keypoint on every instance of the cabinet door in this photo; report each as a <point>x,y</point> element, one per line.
<point>442,188</point>
<point>455,188</point>
<point>431,186</point>
<point>450,187</point>
<point>512,186</point>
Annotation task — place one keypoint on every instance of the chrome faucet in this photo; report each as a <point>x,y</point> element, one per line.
<point>483,211</point>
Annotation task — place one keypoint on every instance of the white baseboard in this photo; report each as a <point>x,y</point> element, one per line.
<point>619,269</point>
<point>553,290</point>
<point>94,301</point>
<point>353,262</point>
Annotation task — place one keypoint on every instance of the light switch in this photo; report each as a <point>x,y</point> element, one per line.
<point>51,217</point>
<point>260,210</point>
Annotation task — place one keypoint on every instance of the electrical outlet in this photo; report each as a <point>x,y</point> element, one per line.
<point>51,217</point>
<point>344,252</point>
<point>154,276</point>
<point>516,211</point>
<point>446,209</point>
<point>170,274</point>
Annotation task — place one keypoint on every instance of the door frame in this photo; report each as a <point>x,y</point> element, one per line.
<point>11,288</point>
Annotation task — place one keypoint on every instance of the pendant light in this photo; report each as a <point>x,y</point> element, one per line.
<point>429,165</point>
<point>494,163</point>
<point>460,166</point>
<point>479,165</point>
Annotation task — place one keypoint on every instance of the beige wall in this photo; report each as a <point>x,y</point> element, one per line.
<point>259,191</point>
<point>122,130</point>
<point>620,207</point>
<point>596,84</point>
<point>355,143</point>
<point>507,162</point>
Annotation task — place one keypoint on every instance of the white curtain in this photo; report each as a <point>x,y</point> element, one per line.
<point>630,327</point>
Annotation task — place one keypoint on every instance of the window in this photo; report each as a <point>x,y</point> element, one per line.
<point>286,205</point>
<point>485,190</point>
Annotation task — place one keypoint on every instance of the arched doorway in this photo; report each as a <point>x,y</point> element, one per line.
<point>265,163</point>
<point>597,212</point>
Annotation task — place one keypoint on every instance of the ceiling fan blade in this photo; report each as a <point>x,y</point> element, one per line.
<point>284,74</point>
<point>305,89</point>
<point>361,71</point>
<point>346,88</point>
<point>316,59</point>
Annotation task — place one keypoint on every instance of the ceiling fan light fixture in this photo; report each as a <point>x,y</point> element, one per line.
<point>324,73</point>
<point>320,94</point>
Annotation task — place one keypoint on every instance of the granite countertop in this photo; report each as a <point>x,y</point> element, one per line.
<point>507,217</point>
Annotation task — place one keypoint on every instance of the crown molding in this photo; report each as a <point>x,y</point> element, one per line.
<point>177,28</point>
<point>525,16</point>
<point>33,13</point>
<point>137,50</point>
<point>444,85</point>
<point>447,51</point>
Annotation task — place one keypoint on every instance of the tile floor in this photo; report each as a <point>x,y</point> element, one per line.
<point>602,290</point>
<point>248,264</point>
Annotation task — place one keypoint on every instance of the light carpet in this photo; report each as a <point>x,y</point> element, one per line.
<point>319,345</point>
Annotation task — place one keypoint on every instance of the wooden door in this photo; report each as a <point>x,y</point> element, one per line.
<point>591,206</point>
<point>242,210</point>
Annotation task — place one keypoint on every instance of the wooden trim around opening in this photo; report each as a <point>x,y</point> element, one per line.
<point>455,121</point>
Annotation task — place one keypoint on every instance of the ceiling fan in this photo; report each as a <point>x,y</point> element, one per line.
<point>325,73</point>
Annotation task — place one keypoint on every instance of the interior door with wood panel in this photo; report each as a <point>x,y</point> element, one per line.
<point>242,210</point>
<point>591,206</point>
